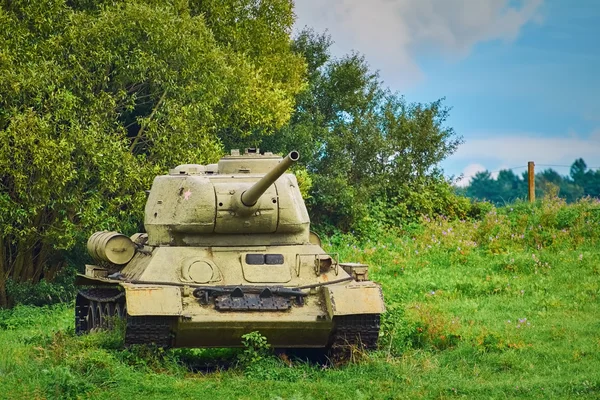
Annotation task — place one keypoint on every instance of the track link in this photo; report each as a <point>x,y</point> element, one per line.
<point>354,333</point>
<point>149,330</point>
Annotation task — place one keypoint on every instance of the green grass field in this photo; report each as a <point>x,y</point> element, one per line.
<point>504,307</point>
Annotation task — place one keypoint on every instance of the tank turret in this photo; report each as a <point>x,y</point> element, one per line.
<point>227,251</point>
<point>248,193</point>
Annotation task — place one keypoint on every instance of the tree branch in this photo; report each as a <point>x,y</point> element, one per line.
<point>141,131</point>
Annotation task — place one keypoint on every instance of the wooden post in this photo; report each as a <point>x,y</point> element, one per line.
<point>531,180</point>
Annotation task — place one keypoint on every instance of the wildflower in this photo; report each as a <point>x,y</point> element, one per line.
<point>522,292</point>
<point>580,257</point>
<point>444,233</point>
<point>458,248</point>
<point>416,251</point>
<point>522,320</point>
<point>432,292</point>
<point>508,321</point>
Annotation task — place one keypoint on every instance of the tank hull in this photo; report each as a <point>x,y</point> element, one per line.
<point>183,321</point>
<point>288,334</point>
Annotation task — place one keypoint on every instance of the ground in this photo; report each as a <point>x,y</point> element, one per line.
<point>504,307</point>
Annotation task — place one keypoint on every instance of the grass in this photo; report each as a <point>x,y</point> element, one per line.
<point>499,308</point>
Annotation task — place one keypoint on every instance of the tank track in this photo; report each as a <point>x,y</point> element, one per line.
<point>96,309</point>
<point>149,330</point>
<point>353,333</point>
<point>88,302</point>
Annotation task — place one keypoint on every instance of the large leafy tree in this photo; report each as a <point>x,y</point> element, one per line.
<point>366,148</point>
<point>97,97</point>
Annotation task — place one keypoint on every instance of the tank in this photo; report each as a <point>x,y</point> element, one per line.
<point>227,251</point>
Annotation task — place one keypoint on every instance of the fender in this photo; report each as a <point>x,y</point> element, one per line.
<point>354,298</point>
<point>153,300</point>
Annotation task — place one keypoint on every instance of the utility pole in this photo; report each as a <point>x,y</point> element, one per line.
<point>531,180</point>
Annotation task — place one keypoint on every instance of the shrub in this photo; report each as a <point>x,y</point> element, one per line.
<point>61,289</point>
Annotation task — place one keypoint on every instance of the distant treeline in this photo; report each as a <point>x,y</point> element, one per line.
<point>508,186</point>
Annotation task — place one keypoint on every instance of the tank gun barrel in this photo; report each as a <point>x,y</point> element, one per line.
<point>251,196</point>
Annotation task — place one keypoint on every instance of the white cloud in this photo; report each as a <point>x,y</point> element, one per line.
<point>471,170</point>
<point>520,149</point>
<point>391,32</point>
<point>468,172</point>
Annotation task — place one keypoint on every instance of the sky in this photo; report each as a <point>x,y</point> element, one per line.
<point>522,76</point>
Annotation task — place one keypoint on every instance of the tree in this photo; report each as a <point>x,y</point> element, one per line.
<point>566,188</point>
<point>362,144</point>
<point>483,187</point>
<point>585,178</point>
<point>97,98</point>
<point>508,187</point>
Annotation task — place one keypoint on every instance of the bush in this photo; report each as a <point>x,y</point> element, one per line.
<point>61,289</point>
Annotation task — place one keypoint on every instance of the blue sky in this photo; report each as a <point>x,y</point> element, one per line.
<point>522,77</point>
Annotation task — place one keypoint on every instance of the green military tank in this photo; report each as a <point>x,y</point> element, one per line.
<point>227,251</point>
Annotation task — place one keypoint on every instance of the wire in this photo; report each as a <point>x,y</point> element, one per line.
<point>561,166</point>
<point>525,166</point>
<point>492,172</point>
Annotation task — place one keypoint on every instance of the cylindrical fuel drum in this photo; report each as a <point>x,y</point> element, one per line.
<point>112,247</point>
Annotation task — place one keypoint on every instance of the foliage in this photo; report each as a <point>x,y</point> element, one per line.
<point>366,148</point>
<point>467,317</point>
<point>508,187</point>
<point>97,98</point>
<point>60,289</point>
<point>256,348</point>
<point>304,182</point>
